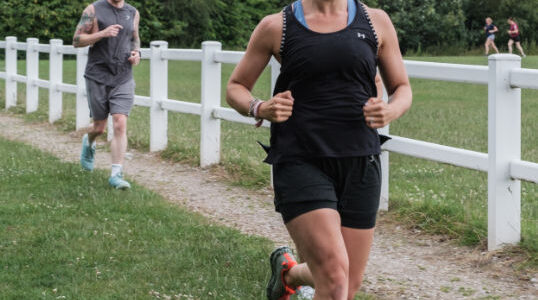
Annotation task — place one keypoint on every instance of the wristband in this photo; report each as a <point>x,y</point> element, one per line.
<point>253,110</point>
<point>253,106</point>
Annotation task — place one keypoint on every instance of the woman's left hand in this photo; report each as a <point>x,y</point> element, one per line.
<point>377,113</point>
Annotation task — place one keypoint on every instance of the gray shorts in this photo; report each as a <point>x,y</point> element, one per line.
<point>104,100</point>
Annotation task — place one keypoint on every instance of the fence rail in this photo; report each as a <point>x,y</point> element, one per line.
<point>504,77</point>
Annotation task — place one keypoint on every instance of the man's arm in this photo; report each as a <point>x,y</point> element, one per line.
<point>134,59</point>
<point>87,32</point>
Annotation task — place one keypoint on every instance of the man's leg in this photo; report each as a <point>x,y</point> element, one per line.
<point>118,146</point>
<point>96,130</point>
<point>318,237</point>
<point>510,43</point>
<point>99,112</point>
<point>121,102</point>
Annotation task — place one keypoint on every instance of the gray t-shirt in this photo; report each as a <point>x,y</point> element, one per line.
<point>108,58</point>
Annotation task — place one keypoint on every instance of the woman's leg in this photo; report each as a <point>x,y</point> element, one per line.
<point>518,45</point>
<point>318,238</point>
<point>358,244</point>
<point>494,47</point>
<point>487,46</point>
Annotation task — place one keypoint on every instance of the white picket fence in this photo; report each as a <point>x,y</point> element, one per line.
<point>504,77</point>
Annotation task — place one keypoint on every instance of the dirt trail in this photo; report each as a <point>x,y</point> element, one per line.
<point>403,264</point>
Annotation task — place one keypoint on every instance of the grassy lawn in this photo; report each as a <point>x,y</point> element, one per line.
<point>434,197</point>
<point>64,232</point>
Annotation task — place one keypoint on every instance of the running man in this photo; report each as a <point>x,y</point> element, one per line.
<point>110,27</point>
<point>490,30</point>
<point>514,37</point>
<point>324,143</point>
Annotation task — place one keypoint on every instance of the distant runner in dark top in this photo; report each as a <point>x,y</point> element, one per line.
<point>490,30</point>
<point>324,116</point>
<point>110,27</point>
<point>515,37</point>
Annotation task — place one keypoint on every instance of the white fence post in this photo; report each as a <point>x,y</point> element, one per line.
<point>55,78</point>
<point>158,92</point>
<point>32,74</point>
<point>384,200</point>
<point>504,146</point>
<point>210,126</point>
<point>11,70</point>
<point>82,107</point>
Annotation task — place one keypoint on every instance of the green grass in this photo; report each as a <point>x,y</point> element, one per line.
<point>435,197</point>
<point>65,230</point>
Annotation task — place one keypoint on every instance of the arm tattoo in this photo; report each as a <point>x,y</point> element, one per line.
<point>84,26</point>
<point>135,43</point>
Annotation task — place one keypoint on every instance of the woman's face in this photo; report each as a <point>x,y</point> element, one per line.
<point>488,21</point>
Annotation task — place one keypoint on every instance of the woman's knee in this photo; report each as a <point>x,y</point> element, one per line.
<point>335,277</point>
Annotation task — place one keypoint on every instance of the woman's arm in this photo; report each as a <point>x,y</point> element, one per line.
<point>264,42</point>
<point>378,113</point>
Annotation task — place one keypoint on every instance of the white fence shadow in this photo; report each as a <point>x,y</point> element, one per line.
<point>504,77</point>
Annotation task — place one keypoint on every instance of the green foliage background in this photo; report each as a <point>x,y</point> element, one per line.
<point>433,26</point>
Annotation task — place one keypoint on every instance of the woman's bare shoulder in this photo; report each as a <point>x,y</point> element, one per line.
<point>271,24</point>
<point>268,34</point>
<point>381,22</point>
<point>379,16</point>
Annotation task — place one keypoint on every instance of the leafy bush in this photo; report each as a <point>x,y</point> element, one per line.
<point>433,26</point>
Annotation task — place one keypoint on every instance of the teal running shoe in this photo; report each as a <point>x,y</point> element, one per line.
<point>281,261</point>
<point>87,155</point>
<point>118,182</point>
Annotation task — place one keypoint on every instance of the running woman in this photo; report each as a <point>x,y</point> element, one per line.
<point>110,27</point>
<point>514,37</point>
<point>490,30</point>
<point>324,143</point>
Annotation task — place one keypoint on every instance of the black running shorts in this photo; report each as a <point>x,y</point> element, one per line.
<point>516,39</point>
<point>351,186</point>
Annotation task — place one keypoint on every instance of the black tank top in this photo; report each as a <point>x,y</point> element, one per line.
<point>331,76</point>
<point>108,58</point>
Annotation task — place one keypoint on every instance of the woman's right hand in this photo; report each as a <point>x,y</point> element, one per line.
<point>278,109</point>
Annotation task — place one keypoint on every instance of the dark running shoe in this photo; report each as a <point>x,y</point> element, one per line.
<point>281,261</point>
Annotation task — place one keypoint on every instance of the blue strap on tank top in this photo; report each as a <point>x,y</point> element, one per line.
<point>299,12</point>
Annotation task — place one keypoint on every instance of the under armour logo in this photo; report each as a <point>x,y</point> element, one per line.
<point>361,35</point>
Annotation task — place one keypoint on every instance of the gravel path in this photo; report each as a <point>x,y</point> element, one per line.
<point>403,264</point>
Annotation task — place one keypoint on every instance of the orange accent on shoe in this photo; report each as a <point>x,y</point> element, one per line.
<point>290,263</point>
